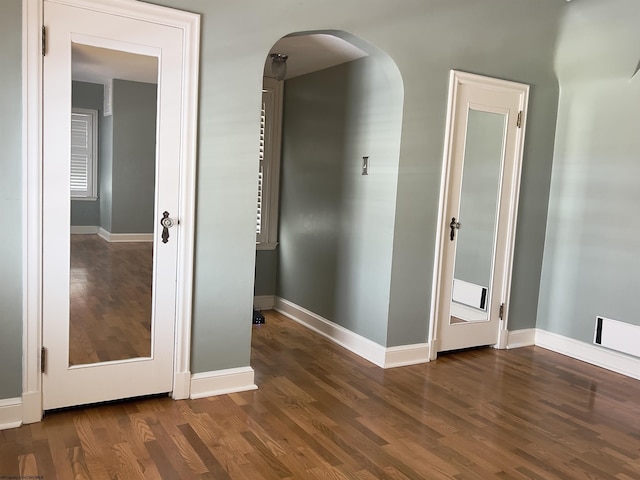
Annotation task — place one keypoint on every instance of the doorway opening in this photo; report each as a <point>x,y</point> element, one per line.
<point>330,258</point>
<point>478,209</point>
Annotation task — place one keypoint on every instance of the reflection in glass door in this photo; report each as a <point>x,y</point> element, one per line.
<point>113,165</point>
<point>475,244</point>
<point>110,300</point>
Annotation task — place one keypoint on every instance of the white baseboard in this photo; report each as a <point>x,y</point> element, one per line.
<point>181,385</point>
<point>31,407</point>
<point>84,230</point>
<point>357,344</point>
<point>369,350</point>
<point>125,237</point>
<point>406,355</point>
<point>521,338</point>
<point>10,413</point>
<point>595,355</point>
<point>231,380</point>
<point>264,302</point>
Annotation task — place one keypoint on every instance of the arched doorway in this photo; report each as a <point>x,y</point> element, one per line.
<point>331,258</point>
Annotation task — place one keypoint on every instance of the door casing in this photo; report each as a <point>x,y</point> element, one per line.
<point>458,78</point>
<point>189,24</point>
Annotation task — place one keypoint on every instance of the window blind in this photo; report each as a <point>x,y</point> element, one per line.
<point>261,170</point>
<point>82,153</point>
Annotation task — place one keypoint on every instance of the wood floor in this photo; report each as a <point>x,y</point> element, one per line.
<point>110,300</point>
<point>324,413</point>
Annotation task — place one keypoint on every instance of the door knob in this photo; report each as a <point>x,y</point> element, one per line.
<point>454,226</point>
<point>166,222</point>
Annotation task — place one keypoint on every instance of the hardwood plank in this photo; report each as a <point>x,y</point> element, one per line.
<point>110,300</point>
<point>28,466</point>
<point>322,412</point>
<point>78,464</point>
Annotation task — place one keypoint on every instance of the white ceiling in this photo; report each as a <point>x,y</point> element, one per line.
<point>99,65</point>
<point>307,53</point>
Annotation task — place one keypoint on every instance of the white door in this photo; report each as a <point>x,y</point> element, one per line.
<point>482,174</point>
<point>67,28</point>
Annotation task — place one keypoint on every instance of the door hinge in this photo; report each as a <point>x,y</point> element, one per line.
<point>44,40</point>
<point>43,360</point>
<point>519,120</point>
<point>501,313</point>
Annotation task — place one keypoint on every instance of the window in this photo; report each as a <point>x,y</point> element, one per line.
<point>84,154</point>
<point>269,165</point>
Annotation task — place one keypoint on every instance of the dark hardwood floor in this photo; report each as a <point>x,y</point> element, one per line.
<point>324,413</point>
<point>110,300</point>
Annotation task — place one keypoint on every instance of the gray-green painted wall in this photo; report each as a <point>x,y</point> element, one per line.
<point>10,200</point>
<point>592,248</point>
<point>476,37</point>
<point>266,272</point>
<point>134,157</point>
<point>425,38</point>
<point>89,96</point>
<point>336,225</point>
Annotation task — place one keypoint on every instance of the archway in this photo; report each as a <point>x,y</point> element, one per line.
<point>329,266</point>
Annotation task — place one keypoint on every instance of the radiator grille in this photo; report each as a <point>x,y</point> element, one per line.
<point>620,336</point>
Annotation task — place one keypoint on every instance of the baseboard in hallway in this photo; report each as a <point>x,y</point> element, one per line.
<point>385,357</point>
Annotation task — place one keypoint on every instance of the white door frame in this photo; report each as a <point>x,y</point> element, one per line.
<point>456,79</point>
<point>189,24</point>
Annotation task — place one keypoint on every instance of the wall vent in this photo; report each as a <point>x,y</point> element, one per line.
<point>620,336</point>
<point>469,294</point>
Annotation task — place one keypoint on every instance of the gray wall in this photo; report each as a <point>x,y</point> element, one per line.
<point>133,157</point>
<point>468,38</point>
<point>336,225</point>
<point>592,249</point>
<point>89,96</point>
<point>266,272</point>
<point>10,200</point>
<point>127,150</point>
<point>425,38</point>
<point>488,37</point>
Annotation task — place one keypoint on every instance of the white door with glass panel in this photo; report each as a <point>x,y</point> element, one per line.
<point>478,210</point>
<point>79,38</point>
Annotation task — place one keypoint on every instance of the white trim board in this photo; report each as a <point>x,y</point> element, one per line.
<point>124,237</point>
<point>84,230</point>
<point>586,352</point>
<point>521,338</point>
<point>111,237</point>
<point>594,354</point>
<point>231,380</point>
<point>10,413</point>
<point>264,302</point>
<point>385,357</point>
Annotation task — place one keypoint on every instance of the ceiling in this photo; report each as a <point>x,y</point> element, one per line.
<point>307,53</point>
<point>99,65</point>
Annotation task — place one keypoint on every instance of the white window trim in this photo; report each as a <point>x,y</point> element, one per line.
<point>267,239</point>
<point>92,180</point>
